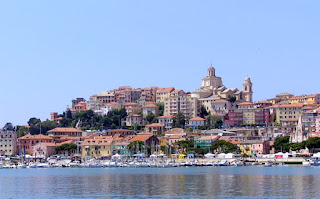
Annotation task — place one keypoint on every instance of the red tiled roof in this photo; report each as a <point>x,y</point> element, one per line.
<point>177,136</point>
<point>197,119</point>
<point>245,104</point>
<point>287,105</point>
<point>165,90</point>
<point>36,137</point>
<point>150,106</point>
<point>220,101</point>
<point>64,130</point>
<point>304,96</point>
<point>142,137</point>
<point>155,125</point>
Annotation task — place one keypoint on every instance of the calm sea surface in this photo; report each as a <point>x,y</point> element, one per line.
<point>192,182</point>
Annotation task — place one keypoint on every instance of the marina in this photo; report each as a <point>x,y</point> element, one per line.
<point>153,161</point>
<point>173,182</point>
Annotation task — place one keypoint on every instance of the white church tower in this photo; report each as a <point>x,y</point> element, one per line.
<point>299,135</point>
<point>247,90</point>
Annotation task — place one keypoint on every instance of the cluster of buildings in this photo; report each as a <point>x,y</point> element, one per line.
<point>253,126</point>
<point>101,144</point>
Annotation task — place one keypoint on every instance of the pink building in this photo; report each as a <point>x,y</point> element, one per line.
<point>28,141</point>
<point>175,138</point>
<point>43,149</point>
<point>235,118</point>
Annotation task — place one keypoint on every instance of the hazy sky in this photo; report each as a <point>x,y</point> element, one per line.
<point>52,52</point>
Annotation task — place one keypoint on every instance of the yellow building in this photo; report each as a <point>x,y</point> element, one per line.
<point>286,111</point>
<point>309,99</point>
<point>245,148</point>
<point>97,147</point>
<point>163,141</point>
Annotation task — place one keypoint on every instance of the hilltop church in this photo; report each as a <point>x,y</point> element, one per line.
<point>212,89</point>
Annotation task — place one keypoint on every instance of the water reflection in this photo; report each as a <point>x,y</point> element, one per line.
<point>164,183</point>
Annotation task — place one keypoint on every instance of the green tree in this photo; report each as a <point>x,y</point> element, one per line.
<point>47,125</point>
<point>282,144</point>
<point>150,118</point>
<point>213,122</point>
<point>68,114</point>
<point>22,131</point>
<point>179,121</point>
<point>224,146</point>
<point>65,122</point>
<point>232,99</point>
<point>8,127</point>
<point>161,108</point>
<point>185,145</point>
<point>66,148</point>
<point>33,121</point>
<point>133,146</point>
<point>313,143</point>
<point>203,112</point>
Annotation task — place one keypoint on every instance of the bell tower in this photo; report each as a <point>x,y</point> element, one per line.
<point>211,72</point>
<point>247,89</point>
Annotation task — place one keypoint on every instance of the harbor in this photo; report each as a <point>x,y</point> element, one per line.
<point>154,161</point>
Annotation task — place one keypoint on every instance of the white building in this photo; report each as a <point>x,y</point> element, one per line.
<point>166,121</point>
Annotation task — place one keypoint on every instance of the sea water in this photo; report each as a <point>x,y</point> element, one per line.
<point>190,182</point>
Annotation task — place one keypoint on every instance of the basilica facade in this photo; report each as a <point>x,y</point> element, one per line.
<point>212,89</point>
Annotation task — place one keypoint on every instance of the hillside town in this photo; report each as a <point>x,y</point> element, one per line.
<point>152,121</point>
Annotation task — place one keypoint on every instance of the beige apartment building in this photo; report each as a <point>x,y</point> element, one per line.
<point>163,93</point>
<point>248,112</point>
<point>8,143</point>
<point>105,97</point>
<point>283,112</point>
<point>186,104</point>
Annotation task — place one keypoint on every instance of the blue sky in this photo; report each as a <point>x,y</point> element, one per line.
<point>52,52</point>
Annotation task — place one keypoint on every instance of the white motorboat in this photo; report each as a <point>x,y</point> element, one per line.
<point>6,166</point>
<point>223,163</point>
<point>132,164</point>
<point>239,164</point>
<point>74,164</point>
<point>21,166</point>
<point>43,165</point>
<point>209,163</point>
<point>153,165</point>
<point>32,165</point>
<point>268,164</point>
<point>306,163</point>
<point>112,164</point>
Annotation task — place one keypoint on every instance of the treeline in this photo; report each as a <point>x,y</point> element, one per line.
<point>86,120</point>
<point>282,144</point>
